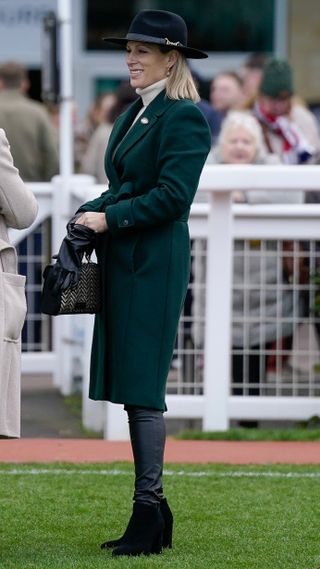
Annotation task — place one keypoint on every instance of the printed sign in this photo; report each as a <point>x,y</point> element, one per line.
<point>20,29</point>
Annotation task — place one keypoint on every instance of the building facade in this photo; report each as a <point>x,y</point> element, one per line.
<point>229,30</point>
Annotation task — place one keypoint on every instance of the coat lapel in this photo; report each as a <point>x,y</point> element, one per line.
<point>122,125</point>
<point>119,130</point>
<point>144,123</point>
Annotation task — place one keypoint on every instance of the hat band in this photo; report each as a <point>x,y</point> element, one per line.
<point>152,39</point>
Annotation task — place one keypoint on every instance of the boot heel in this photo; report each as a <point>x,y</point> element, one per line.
<point>168,523</point>
<point>157,544</point>
<point>167,538</point>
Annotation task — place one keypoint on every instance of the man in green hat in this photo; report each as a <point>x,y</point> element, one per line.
<point>290,129</point>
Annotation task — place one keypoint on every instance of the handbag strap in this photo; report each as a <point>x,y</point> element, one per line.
<point>88,257</point>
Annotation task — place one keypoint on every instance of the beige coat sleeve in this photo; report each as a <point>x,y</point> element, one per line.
<point>307,123</point>
<point>18,205</point>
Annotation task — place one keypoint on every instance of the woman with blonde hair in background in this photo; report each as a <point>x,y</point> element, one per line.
<point>255,323</point>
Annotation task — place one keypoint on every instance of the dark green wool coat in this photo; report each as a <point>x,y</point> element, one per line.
<point>153,173</point>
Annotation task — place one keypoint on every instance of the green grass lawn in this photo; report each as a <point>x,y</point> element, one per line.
<point>246,434</point>
<point>55,516</point>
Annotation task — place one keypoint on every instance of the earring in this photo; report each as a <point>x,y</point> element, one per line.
<point>168,71</point>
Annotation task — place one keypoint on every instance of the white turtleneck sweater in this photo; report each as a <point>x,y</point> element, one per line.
<point>148,94</point>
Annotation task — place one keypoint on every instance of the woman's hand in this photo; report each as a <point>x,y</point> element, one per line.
<point>93,220</point>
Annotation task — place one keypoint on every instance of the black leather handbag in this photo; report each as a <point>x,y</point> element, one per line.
<point>84,297</point>
<point>72,286</point>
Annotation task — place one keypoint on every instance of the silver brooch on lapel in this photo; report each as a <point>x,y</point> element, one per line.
<point>144,120</point>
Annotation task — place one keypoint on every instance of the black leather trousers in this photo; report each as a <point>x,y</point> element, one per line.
<point>148,435</point>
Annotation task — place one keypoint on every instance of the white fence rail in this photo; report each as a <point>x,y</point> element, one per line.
<point>219,222</point>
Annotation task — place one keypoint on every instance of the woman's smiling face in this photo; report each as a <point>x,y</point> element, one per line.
<point>146,64</point>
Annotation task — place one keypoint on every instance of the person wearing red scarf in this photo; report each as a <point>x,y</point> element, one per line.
<point>290,130</point>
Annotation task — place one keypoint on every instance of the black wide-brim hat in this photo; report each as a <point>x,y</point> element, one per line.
<point>162,28</point>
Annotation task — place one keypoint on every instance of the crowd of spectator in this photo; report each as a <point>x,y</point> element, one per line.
<point>264,121</point>
<point>255,117</point>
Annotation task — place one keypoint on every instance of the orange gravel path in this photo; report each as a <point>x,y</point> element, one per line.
<point>202,452</point>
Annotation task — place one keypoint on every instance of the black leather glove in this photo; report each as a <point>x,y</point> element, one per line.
<point>79,240</point>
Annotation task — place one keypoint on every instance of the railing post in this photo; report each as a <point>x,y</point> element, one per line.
<point>218,312</point>
<point>93,412</point>
<point>66,88</point>
<point>62,375</point>
<point>61,325</point>
<point>116,423</point>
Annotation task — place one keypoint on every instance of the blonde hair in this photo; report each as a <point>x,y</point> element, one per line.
<point>250,124</point>
<point>180,83</point>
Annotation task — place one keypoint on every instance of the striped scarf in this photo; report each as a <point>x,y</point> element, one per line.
<point>295,148</point>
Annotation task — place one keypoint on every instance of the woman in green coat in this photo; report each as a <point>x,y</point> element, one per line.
<point>154,159</point>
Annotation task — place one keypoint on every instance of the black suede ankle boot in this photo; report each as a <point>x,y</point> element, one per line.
<point>167,529</point>
<point>144,533</point>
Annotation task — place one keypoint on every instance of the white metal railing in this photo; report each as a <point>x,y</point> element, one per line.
<point>218,406</point>
<point>219,222</point>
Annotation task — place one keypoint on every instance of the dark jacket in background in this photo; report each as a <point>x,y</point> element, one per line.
<point>213,117</point>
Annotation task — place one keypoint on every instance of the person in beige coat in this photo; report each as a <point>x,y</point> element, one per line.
<point>18,209</point>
